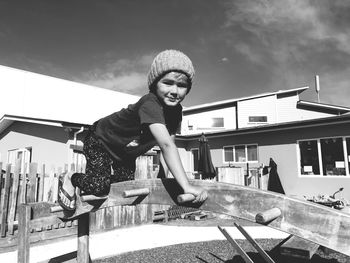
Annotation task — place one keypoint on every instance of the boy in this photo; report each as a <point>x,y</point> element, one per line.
<point>118,139</point>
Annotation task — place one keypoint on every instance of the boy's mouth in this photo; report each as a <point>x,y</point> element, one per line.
<point>172,99</point>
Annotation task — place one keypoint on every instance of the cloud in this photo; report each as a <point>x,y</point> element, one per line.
<point>124,75</point>
<point>292,24</point>
<point>294,40</point>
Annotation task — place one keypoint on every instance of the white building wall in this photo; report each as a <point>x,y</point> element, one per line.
<point>308,114</point>
<point>264,106</point>
<point>201,122</point>
<point>286,109</point>
<point>34,95</point>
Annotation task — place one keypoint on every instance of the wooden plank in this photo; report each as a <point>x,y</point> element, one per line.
<point>23,234</point>
<point>238,248</point>
<point>5,201</point>
<point>298,248</point>
<point>1,186</point>
<point>41,184</point>
<point>83,255</point>
<point>14,197</point>
<point>50,185</point>
<point>23,187</point>
<point>301,218</point>
<point>258,248</point>
<point>33,168</point>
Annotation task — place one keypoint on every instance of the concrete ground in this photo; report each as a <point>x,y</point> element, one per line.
<point>136,238</point>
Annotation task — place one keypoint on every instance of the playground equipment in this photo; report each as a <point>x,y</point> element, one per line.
<point>316,223</point>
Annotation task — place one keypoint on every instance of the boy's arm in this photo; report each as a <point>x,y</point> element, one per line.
<point>172,159</point>
<point>162,161</point>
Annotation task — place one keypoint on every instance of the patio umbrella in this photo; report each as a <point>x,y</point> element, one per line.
<point>274,183</point>
<point>205,164</point>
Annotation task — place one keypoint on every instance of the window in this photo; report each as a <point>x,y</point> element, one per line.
<point>309,157</point>
<point>210,123</point>
<point>257,118</point>
<point>241,153</point>
<point>228,154</point>
<point>24,154</point>
<point>195,159</point>
<point>332,156</point>
<point>324,156</point>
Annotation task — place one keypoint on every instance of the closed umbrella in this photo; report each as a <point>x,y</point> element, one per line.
<point>205,164</point>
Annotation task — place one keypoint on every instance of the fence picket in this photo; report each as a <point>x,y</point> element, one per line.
<point>1,186</point>
<point>41,184</point>
<point>14,197</point>
<point>33,168</point>
<point>23,185</point>
<point>4,203</point>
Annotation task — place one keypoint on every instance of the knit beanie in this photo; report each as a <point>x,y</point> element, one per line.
<point>167,61</point>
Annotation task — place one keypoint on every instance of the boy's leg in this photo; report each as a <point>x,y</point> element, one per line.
<point>123,171</point>
<point>97,177</point>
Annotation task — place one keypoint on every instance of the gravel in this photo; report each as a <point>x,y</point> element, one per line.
<point>219,251</point>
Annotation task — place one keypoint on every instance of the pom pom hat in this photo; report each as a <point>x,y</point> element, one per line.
<point>167,61</point>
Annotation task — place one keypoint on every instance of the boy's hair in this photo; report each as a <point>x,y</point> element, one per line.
<point>168,61</point>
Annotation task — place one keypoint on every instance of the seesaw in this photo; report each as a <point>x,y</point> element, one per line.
<point>316,223</point>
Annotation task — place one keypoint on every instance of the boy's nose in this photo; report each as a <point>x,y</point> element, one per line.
<point>174,89</point>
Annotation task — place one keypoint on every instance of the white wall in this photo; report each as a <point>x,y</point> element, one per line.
<point>203,119</point>
<point>33,95</point>
<point>264,106</point>
<point>50,145</point>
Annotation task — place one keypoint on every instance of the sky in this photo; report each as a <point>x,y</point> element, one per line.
<point>239,48</point>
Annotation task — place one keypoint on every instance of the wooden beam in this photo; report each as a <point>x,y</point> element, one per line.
<point>135,192</point>
<point>268,215</point>
<point>299,218</point>
<point>258,248</point>
<point>298,248</point>
<point>5,201</point>
<point>23,233</point>
<point>238,248</point>
<point>83,255</point>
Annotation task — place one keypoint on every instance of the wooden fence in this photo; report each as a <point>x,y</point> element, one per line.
<point>39,184</point>
<point>35,183</point>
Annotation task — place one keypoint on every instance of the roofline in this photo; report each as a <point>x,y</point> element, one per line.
<point>58,123</point>
<point>340,119</point>
<point>323,105</point>
<point>224,102</point>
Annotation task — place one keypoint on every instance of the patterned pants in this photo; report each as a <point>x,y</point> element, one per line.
<point>98,173</point>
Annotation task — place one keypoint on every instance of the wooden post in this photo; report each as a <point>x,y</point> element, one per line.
<point>135,192</point>
<point>83,238</point>
<point>4,203</point>
<point>23,192</point>
<point>23,233</point>
<point>261,251</point>
<point>41,184</point>
<point>233,242</point>
<point>14,196</point>
<point>183,198</point>
<point>268,216</point>
<point>33,168</point>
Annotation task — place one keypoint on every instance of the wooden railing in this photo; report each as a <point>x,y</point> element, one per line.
<point>40,184</point>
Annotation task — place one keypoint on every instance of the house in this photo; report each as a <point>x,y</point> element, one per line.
<point>41,116</point>
<point>309,141</point>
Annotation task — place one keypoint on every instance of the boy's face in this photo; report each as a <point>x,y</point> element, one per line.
<point>172,88</point>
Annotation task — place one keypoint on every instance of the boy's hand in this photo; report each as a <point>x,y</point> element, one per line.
<point>200,194</point>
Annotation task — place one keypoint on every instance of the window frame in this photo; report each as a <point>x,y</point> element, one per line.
<point>246,153</point>
<point>192,166</point>
<point>346,157</point>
